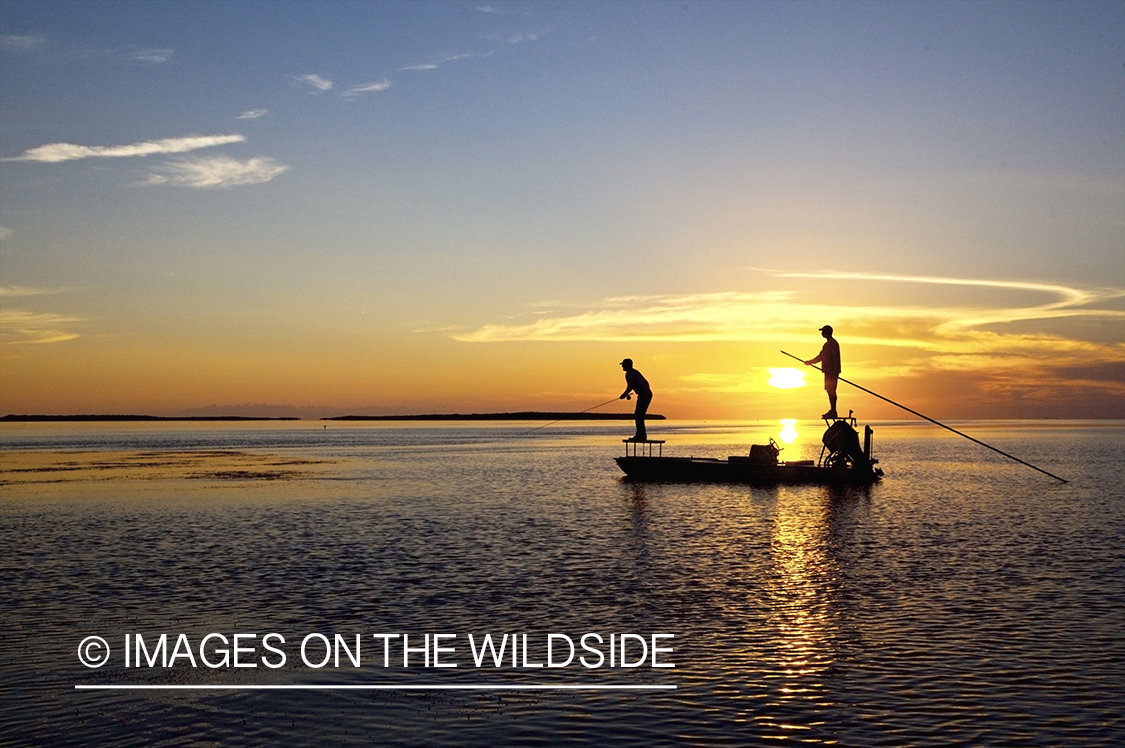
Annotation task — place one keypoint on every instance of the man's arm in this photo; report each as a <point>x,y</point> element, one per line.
<point>819,358</point>
<point>630,384</point>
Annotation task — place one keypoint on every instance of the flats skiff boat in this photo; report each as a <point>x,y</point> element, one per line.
<point>842,461</point>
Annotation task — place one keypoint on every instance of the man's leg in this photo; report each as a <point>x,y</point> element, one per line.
<point>639,414</point>
<point>830,388</point>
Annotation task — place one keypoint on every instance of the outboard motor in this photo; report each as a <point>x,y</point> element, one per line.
<point>842,443</point>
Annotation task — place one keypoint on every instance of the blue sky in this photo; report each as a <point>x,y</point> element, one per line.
<point>425,206</point>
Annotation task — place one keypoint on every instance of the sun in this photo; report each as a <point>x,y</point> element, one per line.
<point>787,379</point>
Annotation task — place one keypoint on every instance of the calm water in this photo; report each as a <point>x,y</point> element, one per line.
<point>965,600</point>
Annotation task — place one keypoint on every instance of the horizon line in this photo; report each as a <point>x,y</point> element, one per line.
<point>525,415</point>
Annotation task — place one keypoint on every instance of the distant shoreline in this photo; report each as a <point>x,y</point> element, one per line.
<point>114,417</point>
<point>520,416</point>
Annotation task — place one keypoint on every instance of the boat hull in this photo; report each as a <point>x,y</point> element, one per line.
<point>738,470</point>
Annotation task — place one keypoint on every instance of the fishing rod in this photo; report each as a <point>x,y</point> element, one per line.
<point>592,407</point>
<point>939,423</point>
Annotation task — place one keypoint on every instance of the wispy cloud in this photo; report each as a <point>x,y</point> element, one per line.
<point>54,153</point>
<point>5,232</point>
<point>133,53</point>
<point>507,10</point>
<point>253,114</point>
<point>518,37</point>
<point>154,56</point>
<point>444,61</point>
<point>19,327</point>
<point>216,172</point>
<point>318,84</point>
<point>25,291</point>
<point>978,337</point>
<point>1067,297</point>
<point>21,42</point>
<point>669,318</point>
<point>379,85</point>
<point>777,315</point>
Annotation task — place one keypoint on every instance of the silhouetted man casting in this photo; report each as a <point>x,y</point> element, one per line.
<point>635,382</point>
<point>829,360</point>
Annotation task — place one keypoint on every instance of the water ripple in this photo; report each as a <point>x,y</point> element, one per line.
<point>958,602</point>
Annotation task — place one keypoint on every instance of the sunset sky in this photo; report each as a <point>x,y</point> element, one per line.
<point>320,208</point>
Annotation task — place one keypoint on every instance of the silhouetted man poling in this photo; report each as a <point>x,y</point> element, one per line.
<point>635,382</point>
<point>829,360</point>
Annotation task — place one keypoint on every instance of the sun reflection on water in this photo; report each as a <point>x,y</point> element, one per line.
<point>788,430</point>
<point>804,591</point>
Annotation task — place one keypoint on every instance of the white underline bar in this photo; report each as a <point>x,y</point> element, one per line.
<point>379,687</point>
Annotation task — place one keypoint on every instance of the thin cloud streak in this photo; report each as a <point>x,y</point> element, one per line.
<point>155,56</point>
<point>737,316</point>
<point>21,42</point>
<point>216,172</point>
<point>18,327</point>
<point>380,85</point>
<point>502,11</point>
<point>950,338</point>
<point>314,80</point>
<point>1070,295</point>
<point>253,114</point>
<point>1069,304</point>
<point>24,291</point>
<point>519,37</point>
<point>446,60</point>
<point>54,153</point>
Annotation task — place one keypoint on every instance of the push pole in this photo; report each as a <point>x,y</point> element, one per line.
<point>939,423</point>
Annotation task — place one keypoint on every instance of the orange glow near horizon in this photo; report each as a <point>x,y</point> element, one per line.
<point>278,365</point>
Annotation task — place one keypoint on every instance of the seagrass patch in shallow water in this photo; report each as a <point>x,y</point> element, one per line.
<point>18,468</point>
